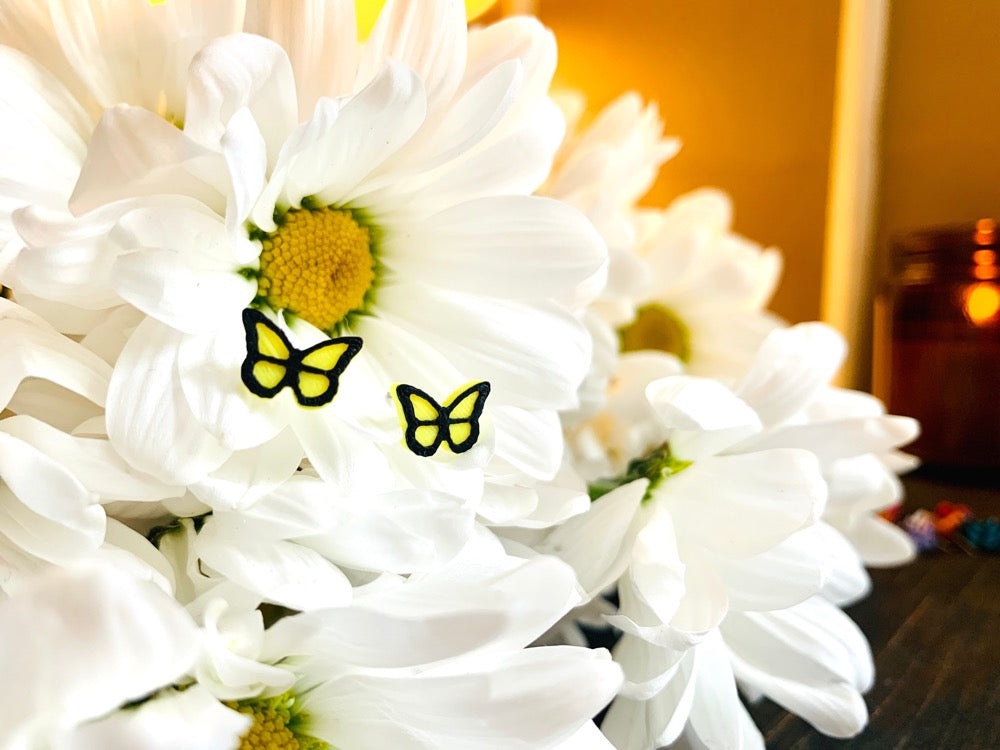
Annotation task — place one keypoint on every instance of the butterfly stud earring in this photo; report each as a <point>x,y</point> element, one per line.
<point>427,424</point>
<point>272,363</point>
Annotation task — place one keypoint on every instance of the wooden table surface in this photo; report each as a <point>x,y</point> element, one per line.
<point>934,627</point>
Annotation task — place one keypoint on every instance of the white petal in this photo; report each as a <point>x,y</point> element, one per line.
<point>343,455</point>
<point>280,571</point>
<point>810,659</point>
<point>461,127</point>
<point>791,367</point>
<point>429,38</point>
<point>160,285</point>
<point>529,440</point>
<point>49,513</point>
<point>104,639</point>
<point>235,72</point>
<point>787,574</point>
<point>208,368</point>
<point>555,505</point>
<point>597,544</point>
<point>399,532</point>
<point>369,638</point>
<point>131,553</point>
<point>842,438</point>
<point>33,350</point>
<point>320,39</point>
<point>50,131</point>
<point>648,668</point>
<point>535,698</point>
<point>27,26</point>
<point>186,227</point>
<point>657,575</point>
<point>92,461</point>
<point>845,580</point>
<point>233,640</point>
<point>880,543</point>
<point>703,415</point>
<point>159,42</point>
<point>716,712</point>
<point>514,165</point>
<point>437,615</point>
<point>742,505</point>
<point>250,474</point>
<point>68,259</point>
<point>534,355</point>
<point>55,405</point>
<point>340,148</point>
<point>705,601</point>
<point>192,718</point>
<point>506,504</point>
<point>149,421</point>
<point>693,608</point>
<point>860,485</point>
<point>133,152</point>
<point>245,152</point>
<point>516,38</point>
<point>641,725</point>
<point>513,246</point>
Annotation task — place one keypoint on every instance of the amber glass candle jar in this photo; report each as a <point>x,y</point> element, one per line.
<point>937,342</point>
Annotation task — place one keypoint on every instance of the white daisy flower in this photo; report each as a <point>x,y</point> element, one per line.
<point>809,657</point>
<point>62,65</point>
<point>705,303</point>
<point>432,661</point>
<point>782,634</point>
<point>603,170</point>
<point>415,261</point>
<point>689,512</point>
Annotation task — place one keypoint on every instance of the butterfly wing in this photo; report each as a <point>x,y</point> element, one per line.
<point>462,411</point>
<point>265,369</point>
<point>420,416</point>
<point>316,371</point>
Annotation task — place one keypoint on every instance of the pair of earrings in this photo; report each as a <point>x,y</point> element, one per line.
<point>313,374</point>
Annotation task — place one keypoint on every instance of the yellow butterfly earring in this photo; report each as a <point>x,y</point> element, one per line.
<point>427,424</point>
<point>272,363</point>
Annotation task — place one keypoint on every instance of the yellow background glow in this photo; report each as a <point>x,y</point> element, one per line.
<point>367,12</point>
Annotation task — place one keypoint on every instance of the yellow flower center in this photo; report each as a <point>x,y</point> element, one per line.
<point>656,327</point>
<point>317,265</point>
<point>274,725</point>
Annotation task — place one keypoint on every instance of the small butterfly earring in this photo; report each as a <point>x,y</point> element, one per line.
<point>427,424</point>
<point>272,362</point>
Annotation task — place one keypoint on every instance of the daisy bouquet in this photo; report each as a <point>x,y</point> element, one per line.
<point>344,382</point>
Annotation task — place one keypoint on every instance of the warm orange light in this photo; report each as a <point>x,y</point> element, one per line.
<point>982,303</point>
<point>985,261</point>
<point>985,231</point>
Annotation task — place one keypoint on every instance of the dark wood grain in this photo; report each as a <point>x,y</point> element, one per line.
<point>934,627</point>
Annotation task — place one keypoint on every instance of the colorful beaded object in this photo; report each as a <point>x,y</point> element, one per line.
<point>948,526</point>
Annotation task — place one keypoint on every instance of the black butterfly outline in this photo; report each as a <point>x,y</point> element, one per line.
<point>443,422</point>
<point>294,364</point>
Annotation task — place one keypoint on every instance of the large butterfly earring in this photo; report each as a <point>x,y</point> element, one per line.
<point>427,424</point>
<point>272,363</point>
